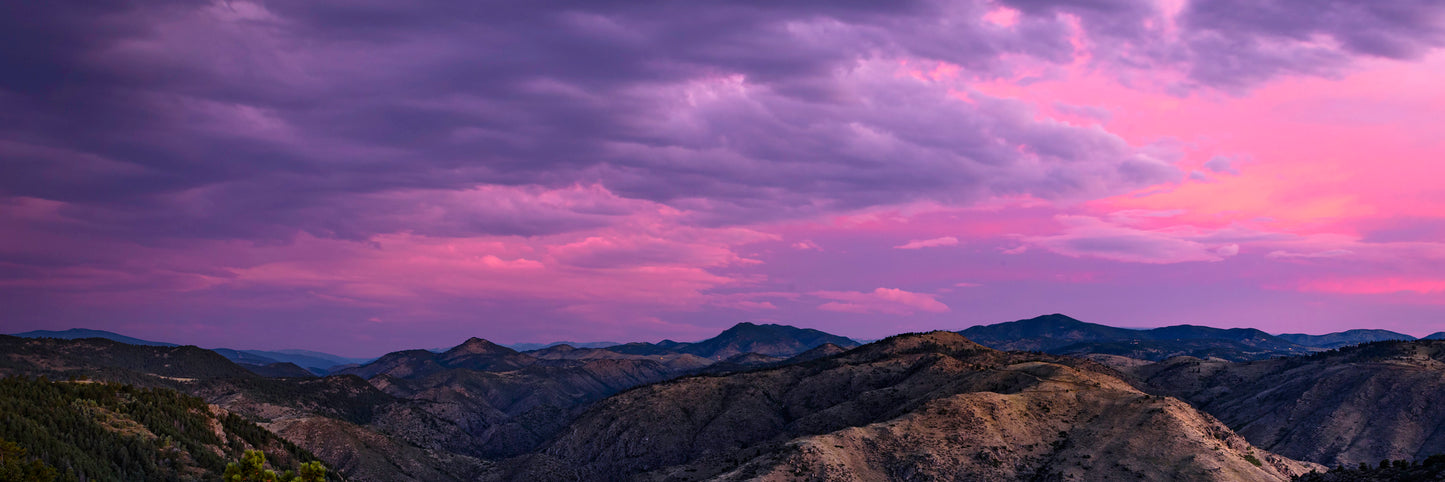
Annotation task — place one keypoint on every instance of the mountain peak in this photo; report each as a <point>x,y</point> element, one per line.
<point>479,346</point>
<point>1053,318</point>
<point>746,327</point>
<point>933,341</point>
<point>1041,333</point>
<point>766,339</point>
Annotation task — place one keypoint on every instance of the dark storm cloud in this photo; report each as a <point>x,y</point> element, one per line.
<point>339,118</point>
<point>1242,42</point>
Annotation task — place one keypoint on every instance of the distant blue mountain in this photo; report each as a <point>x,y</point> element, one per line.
<point>1439,335</point>
<point>573,344</point>
<point>245,356</point>
<point>340,360</point>
<point>76,333</point>
<point>313,361</point>
<point>1343,338</point>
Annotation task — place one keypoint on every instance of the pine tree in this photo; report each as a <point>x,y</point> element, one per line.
<point>252,468</point>
<point>14,465</point>
<point>312,472</point>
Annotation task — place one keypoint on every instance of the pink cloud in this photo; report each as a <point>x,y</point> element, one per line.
<point>1002,17</point>
<point>1086,236</point>
<point>1374,285</point>
<point>599,249</point>
<point>750,301</point>
<point>1333,253</point>
<point>929,243</point>
<point>755,305</point>
<point>807,245</point>
<point>882,300</point>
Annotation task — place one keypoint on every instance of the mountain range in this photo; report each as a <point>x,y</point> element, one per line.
<point>574,344</point>
<point>1049,398</point>
<point>262,361</point>
<point>925,406</point>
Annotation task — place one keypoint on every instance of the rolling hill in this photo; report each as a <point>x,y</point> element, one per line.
<point>1361,403</point>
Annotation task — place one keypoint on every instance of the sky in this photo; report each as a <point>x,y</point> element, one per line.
<point>359,176</point>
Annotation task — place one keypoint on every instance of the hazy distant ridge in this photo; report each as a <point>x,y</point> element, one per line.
<point>1344,338</point>
<point>78,333</point>
<point>313,361</point>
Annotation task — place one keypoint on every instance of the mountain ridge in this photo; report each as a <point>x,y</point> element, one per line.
<point>465,411</point>
<point>78,333</point>
<point>869,414</point>
<point>1058,333</point>
<point>1361,403</point>
<point>1343,338</point>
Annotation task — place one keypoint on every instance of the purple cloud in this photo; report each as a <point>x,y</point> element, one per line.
<point>929,243</point>
<point>1221,165</point>
<point>882,300</point>
<point>1092,237</point>
<point>274,115</point>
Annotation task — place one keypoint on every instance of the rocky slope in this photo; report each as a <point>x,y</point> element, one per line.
<point>1432,469</point>
<point>821,351</point>
<point>365,455</point>
<point>486,400</point>
<point>1356,404</point>
<point>506,413</point>
<point>914,407</point>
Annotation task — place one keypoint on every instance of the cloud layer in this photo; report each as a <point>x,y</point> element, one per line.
<point>625,169</point>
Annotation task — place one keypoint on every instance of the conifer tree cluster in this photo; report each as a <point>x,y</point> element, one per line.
<point>83,430</point>
<point>252,468</point>
<point>17,467</point>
